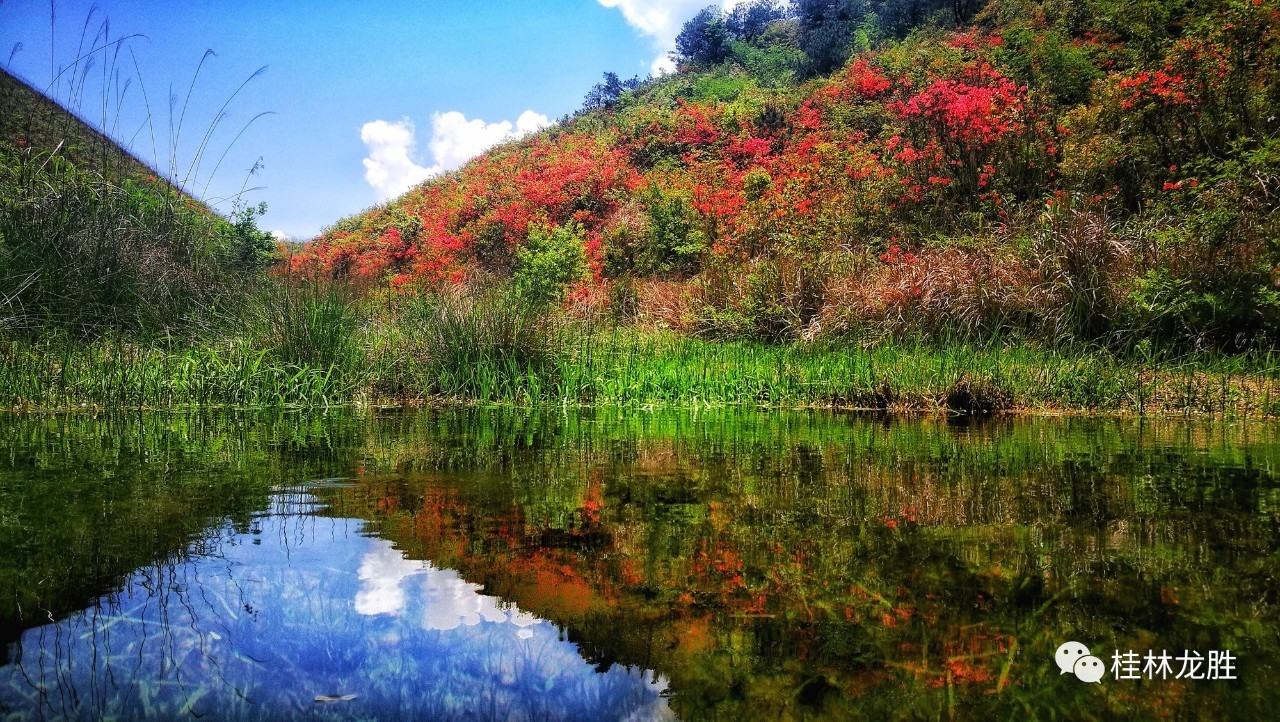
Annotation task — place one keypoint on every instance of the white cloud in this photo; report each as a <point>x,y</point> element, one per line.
<point>281,236</point>
<point>390,167</point>
<point>531,122</point>
<point>455,140</point>
<point>661,20</point>
<point>445,599</point>
<point>450,601</point>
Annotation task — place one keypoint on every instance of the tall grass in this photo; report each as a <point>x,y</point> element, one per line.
<point>93,242</point>
<point>87,254</point>
<point>305,323</point>
<point>920,375</point>
<point>455,351</point>
<point>53,375</point>
<point>490,344</point>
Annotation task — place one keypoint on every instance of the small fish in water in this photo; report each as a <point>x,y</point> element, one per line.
<point>327,698</point>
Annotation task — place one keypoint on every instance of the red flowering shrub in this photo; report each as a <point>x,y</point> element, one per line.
<point>960,132</point>
<point>483,213</point>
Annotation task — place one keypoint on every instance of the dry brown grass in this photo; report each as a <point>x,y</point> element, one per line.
<point>1082,264</point>
<point>666,304</point>
<point>970,292</point>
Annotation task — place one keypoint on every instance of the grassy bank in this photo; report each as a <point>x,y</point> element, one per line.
<point>630,367</point>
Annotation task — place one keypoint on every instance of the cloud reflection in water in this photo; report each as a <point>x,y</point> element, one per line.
<point>260,623</point>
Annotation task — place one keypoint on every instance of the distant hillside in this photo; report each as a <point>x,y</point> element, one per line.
<point>1100,169</point>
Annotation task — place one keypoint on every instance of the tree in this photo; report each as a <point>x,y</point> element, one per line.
<point>607,93</point>
<point>704,40</point>
<point>749,20</point>
<point>827,30</point>
<point>828,27</point>
<point>899,17</point>
<point>248,247</point>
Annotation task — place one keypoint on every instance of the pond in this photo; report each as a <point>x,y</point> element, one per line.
<point>632,565</point>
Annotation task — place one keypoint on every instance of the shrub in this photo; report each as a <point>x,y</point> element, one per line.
<point>675,243</point>
<point>1045,59</point>
<point>771,67</point>
<point>553,259</point>
<point>1205,292</point>
<point>248,248</point>
<point>773,297</point>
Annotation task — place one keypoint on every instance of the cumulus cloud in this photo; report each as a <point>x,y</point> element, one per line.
<point>455,140</point>
<point>390,166</point>
<point>661,20</point>
<point>450,601</point>
<point>445,600</point>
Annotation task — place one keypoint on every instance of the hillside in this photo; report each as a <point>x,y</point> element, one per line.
<point>33,121</point>
<point>92,239</point>
<point>1096,171</point>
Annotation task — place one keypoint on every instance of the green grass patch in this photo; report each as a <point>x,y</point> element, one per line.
<point>493,354</point>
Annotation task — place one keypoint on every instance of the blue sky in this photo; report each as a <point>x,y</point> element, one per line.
<point>366,97</point>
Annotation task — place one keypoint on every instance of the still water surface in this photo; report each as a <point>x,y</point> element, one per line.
<point>627,565</point>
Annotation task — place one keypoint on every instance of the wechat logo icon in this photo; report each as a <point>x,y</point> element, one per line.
<point>1074,658</point>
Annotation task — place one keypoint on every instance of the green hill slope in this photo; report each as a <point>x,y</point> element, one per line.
<point>93,239</point>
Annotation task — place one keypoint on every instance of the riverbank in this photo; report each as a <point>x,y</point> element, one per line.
<point>629,367</point>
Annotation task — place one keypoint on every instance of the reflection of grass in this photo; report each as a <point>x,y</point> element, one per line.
<point>84,501</point>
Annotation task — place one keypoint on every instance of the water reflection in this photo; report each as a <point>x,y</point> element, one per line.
<point>302,615</point>
<point>790,566</point>
<point>446,600</point>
